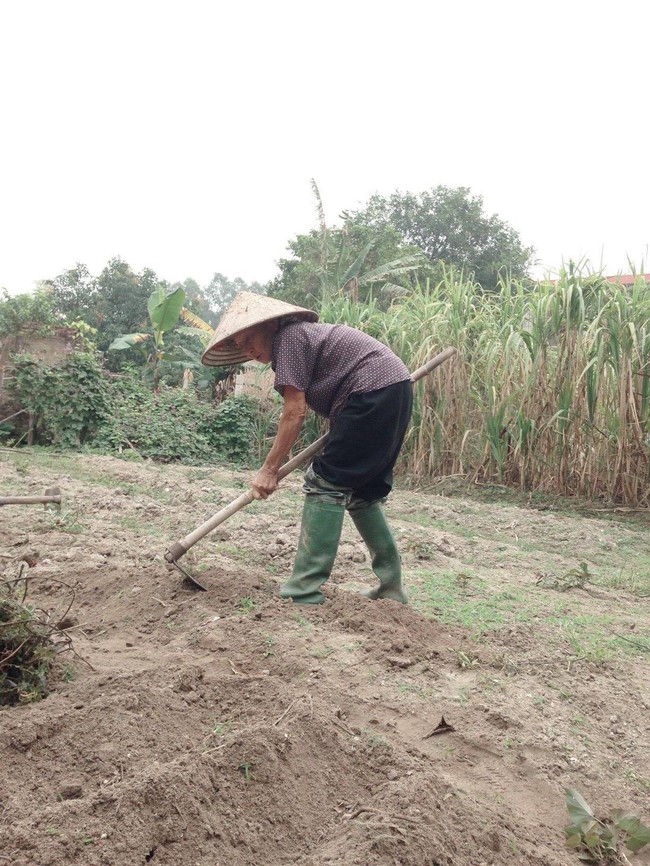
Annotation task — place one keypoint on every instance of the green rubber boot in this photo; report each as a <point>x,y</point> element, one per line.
<point>320,532</point>
<point>375,531</point>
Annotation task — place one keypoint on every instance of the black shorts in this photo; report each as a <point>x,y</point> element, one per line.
<point>365,440</point>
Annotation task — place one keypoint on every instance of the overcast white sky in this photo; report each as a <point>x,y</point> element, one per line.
<point>182,136</point>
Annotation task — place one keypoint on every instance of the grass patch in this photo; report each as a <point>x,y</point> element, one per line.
<point>138,525</point>
<point>458,598</point>
<point>636,580</point>
<point>246,604</point>
<point>466,599</point>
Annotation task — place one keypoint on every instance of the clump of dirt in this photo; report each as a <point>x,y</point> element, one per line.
<point>229,727</point>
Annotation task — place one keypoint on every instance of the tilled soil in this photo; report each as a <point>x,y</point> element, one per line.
<point>228,727</point>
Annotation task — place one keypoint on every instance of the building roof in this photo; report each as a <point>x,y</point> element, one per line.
<point>628,279</point>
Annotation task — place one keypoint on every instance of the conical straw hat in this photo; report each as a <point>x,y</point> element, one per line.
<point>247,309</point>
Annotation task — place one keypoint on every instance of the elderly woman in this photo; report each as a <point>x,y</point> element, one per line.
<point>366,392</point>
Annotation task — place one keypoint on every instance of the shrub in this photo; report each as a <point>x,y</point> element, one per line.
<point>69,403</point>
<point>79,404</point>
<point>171,424</point>
<point>26,650</point>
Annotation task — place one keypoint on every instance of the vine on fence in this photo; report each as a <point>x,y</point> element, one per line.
<point>78,404</point>
<point>68,403</point>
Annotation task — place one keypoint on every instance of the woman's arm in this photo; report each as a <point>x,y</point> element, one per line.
<point>293,415</point>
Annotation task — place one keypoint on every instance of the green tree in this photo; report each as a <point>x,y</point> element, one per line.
<point>27,312</point>
<point>114,303</point>
<point>362,260</point>
<point>221,290</point>
<point>74,294</point>
<point>451,227</point>
<point>196,300</point>
<point>122,300</point>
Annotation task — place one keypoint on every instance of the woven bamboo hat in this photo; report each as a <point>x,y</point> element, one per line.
<point>247,309</point>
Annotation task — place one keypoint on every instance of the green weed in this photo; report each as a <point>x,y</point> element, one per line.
<point>635,580</point>
<point>322,652</point>
<point>246,770</point>
<point>445,595</point>
<point>412,688</point>
<point>602,840</point>
<point>575,578</point>
<point>64,521</point>
<point>246,604</point>
<point>641,781</point>
<point>376,741</point>
<point>302,621</point>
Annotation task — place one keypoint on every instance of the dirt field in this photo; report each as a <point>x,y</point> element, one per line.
<point>228,728</point>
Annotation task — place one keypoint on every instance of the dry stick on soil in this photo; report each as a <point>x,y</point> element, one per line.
<point>288,709</point>
<point>235,671</point>
<point>214,749</point>
<point>636,643</point>
<point>343,728</point>
<point>160,601</point>
<point>367,810</point>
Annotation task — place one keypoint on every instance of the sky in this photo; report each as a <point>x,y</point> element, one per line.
<point>183,136</point>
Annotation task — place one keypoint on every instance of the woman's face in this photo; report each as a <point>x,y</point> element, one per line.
<point>257,341</point>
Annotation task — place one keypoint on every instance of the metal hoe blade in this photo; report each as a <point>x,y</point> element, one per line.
<point>193,581</point>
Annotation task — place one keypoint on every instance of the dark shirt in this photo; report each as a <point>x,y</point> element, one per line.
<point>330,362</point>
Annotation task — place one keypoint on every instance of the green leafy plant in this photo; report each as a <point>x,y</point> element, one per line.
<point>179,425</point>
<point>231,426</point>
<point>602,841</point>
<point>575,578</point>
<point>164,306</point>
<point>166,310</point>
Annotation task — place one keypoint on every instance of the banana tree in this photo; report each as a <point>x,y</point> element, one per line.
<point>193,369</point>
<point>164,306</point>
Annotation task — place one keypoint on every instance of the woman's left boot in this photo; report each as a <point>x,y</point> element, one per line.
<point>371,523</point>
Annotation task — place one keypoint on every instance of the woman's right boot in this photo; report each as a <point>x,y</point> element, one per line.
<point>320,533</point>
